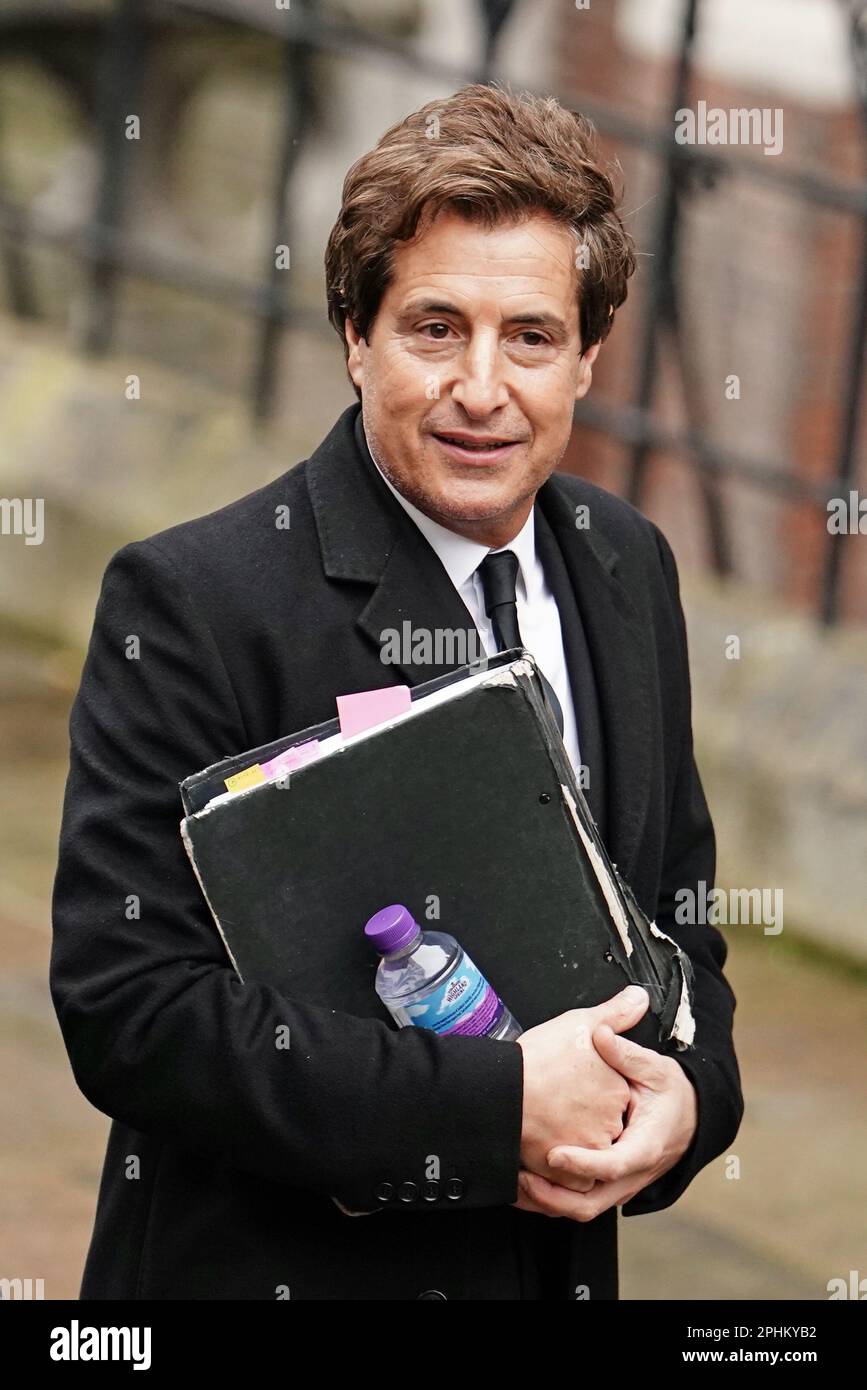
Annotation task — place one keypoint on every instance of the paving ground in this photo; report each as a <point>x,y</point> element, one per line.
<point>794,1218</point>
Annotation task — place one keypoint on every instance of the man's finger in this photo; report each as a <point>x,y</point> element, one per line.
<point>633,1061</point>
<point>633,1154</point>
<point>623,1010</point>
<point>549,1199</point>
<point>574,1182</point>
<point>525,1201</point>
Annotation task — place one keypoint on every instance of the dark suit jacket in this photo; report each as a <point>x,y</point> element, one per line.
<point>225,1151</point>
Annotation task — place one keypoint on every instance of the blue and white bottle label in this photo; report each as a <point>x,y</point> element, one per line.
<point>466,1004</point>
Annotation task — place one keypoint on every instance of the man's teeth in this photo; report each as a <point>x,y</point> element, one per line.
<point>465,443</point>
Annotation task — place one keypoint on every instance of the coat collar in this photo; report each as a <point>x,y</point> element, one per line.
<point>366,537</point>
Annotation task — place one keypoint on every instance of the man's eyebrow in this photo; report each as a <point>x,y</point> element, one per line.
<point>437,306</point>
<point>540,320</point>
<point>430,306</point>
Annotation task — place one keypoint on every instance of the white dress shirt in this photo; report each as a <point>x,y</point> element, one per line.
<point>538,614</point>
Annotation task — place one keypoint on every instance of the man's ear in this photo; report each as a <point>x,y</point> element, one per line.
<point>355,356</point>
<point>585,370</point>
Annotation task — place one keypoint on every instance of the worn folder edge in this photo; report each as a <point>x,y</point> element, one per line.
<point>677,1022</point>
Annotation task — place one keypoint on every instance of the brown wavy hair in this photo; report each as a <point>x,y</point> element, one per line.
<point>491,156</point>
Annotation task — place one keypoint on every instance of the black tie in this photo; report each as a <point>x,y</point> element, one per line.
<point>498,572</point>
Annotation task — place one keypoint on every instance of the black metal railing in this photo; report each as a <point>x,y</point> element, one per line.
<point>126,31</point>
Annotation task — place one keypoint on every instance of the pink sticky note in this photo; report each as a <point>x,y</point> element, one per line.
<point>370,707</point>
<point>291,757</point>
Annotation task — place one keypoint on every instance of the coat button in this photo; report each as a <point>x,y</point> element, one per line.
<point>385,1191</point>
<point>430,1190</point>
<point>407,1192</point>
<point>454,1189</point>
<point>433,1293</point>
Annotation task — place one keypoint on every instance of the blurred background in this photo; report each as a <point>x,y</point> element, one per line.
<point>169,173</point>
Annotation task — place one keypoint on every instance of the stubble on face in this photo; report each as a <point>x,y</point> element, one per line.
<point>466,516</point>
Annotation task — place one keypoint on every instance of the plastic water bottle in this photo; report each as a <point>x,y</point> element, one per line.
<point>426,980</point>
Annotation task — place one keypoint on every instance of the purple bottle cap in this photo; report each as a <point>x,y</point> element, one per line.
<point>391,928</point>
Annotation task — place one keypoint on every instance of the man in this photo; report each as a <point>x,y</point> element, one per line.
<point>473,272</point>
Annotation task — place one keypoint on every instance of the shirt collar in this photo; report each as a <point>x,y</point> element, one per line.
<point>461,556</point>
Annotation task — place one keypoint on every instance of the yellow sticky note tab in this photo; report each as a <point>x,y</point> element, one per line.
<point>250,777</point>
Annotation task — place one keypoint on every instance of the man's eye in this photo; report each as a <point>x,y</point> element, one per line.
<point>541,340</point>
<point>431,326</point>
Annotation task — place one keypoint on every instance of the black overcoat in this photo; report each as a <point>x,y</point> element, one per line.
<point>224,633</point>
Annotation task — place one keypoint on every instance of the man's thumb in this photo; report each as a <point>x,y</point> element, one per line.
<point>624,1010</point>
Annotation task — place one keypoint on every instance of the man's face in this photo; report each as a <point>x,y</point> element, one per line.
<point>476,341</point>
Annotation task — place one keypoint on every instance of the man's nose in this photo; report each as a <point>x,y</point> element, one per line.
<point>480,386</point>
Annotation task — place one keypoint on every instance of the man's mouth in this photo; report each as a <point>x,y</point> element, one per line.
<point>481,446</point>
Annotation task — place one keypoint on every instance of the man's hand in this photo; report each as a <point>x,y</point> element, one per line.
<point>571,1092</point>
<point>661,1120</point>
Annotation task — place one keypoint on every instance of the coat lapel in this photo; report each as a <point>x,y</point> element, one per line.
<point>579,666</point>
<point>621,662</point>
<point>365,535</point>
<point>415,596</point>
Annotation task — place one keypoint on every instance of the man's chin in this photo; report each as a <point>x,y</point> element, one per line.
<point>467,506</point>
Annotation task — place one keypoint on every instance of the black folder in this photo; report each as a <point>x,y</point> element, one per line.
<point>467,810</point>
